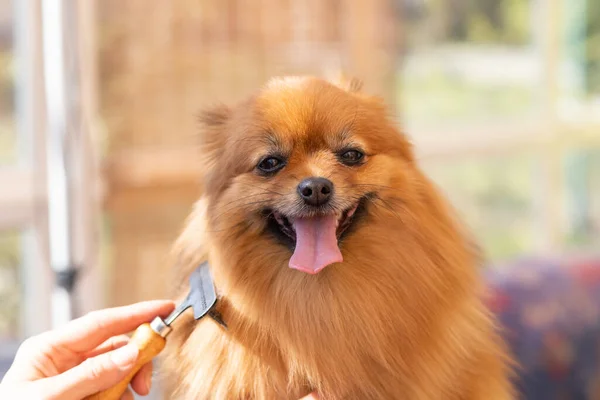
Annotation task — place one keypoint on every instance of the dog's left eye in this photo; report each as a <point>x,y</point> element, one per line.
<point>270,164</point>
<point>351,157</point>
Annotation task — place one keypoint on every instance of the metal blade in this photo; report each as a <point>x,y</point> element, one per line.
<point>202,295</point>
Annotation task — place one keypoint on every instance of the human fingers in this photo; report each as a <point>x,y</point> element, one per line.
<point>110,344</point>
<point>128,395</point>
<point>89,331</point>
<point>93,375</point>
<point>142,381</point>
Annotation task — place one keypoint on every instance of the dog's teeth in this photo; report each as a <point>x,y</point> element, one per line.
<point>351,212</point>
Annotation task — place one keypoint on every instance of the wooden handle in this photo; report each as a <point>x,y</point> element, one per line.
<point>150,344</point>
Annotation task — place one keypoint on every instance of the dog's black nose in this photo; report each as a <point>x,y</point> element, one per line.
<point>315,191</point>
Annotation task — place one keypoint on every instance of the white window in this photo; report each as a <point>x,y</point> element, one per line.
<point>26,277</point>
<point>502,101</point>
<point>25,280</point>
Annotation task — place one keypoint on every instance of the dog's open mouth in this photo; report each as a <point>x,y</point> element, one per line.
<point>342,222</point>
<point>314,239</point>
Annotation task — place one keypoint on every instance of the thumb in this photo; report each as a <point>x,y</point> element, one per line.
<point>93,375</point>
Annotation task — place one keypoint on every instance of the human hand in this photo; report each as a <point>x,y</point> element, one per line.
<point>88,355</point>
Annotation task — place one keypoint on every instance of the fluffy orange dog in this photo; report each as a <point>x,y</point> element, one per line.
<point>340,267</point>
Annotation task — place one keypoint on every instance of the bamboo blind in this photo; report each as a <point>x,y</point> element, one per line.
<point>160,62</point>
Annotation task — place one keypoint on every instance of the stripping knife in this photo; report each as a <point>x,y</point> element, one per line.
<point>151,337</point>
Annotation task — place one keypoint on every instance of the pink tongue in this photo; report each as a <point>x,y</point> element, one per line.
<point>316,244</point>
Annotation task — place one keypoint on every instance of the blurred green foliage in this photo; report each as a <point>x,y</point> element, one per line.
<point>8,136</point>
<point>582,167</point>
<point>592,41</point>
<point>10,289</point>
<point>494,197</point>
<point>477,22</point>
<point>452,99</point>
<point>487,21</point>
<point>508,22</point>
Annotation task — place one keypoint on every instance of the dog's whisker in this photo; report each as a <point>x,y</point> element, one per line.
<point>367,185</point>
<point>237,201</point>
<point>243,199</point>
<point>388,207</point>
<point>265,190</point>
<point>240,206</point>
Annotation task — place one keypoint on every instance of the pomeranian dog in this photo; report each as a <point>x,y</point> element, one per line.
<point>340,268</point>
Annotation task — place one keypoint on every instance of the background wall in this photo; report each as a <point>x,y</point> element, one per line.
<point>157,74</point>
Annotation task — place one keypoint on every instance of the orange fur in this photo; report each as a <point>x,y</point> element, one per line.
<point>400,318</point>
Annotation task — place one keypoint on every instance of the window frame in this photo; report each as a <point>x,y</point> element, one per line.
<point>22,207</point>
<point>25,206</point>
<point>548,133</point>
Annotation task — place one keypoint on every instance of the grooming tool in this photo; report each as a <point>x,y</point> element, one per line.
<point>151,337</point>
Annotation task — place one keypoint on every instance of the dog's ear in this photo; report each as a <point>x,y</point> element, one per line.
<point>349,84</point>
<point>352,85</point>
<point>213,132</point>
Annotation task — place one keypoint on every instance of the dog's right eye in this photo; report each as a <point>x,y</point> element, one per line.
<point>269,165</point>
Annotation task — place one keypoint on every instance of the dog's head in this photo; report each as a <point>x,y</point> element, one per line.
<point>298,166</point>
<point>315,176</point>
